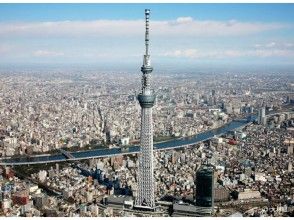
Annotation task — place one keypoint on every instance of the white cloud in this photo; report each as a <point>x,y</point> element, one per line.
<point>272,53</point>
<point>219,54</point>
<point>275,45</point>
<point>289,45</point>
<point>182,26</point>
<point>190,27</point>
<point>47,53</point>
<point>5,48</point>
<point>85,40</point>
<point>193,53</point>
<point>182,20</point>
<point>271,44</point>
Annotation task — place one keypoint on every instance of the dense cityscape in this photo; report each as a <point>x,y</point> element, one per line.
<point>244,171</point>
<point>44,112</point>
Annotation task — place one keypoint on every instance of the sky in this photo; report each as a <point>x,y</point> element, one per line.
<point>180,34</point>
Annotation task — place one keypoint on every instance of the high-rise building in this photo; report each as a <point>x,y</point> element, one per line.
<point>251,109</point>
<point>40,200</point>
<point>205,187</point>
<point>261,116</point>
<point>290,99</point>
<point>146,184</point>
<point>290,145</point>
<point>290,168</point>
<point>197,97</point>
<point>213,92</point>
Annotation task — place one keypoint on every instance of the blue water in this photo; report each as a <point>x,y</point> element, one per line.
<point>176,143</point>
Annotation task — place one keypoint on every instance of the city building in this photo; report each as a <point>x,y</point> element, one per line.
<point>120,201</point>
<point>187,210</point>
<point>289,144</point>
<point>205,187</point>
<point>261,116</point>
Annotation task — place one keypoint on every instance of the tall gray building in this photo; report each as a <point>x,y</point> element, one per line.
<point>261,116</point>
<point>146,184</point>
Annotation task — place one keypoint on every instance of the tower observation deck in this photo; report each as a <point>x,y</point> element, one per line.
<point>146,98</point>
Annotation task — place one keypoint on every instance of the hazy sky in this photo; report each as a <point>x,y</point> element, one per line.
<point>181,34</point>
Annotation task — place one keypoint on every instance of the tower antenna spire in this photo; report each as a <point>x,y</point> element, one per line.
<point>147,14</point>
<point>146,60</point>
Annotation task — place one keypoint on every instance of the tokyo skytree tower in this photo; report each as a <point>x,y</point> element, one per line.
<point>146,99</point>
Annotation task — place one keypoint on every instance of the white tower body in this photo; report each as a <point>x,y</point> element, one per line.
<point>145,178</point>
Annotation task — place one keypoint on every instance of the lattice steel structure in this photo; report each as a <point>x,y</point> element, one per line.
<point>146,184</point>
